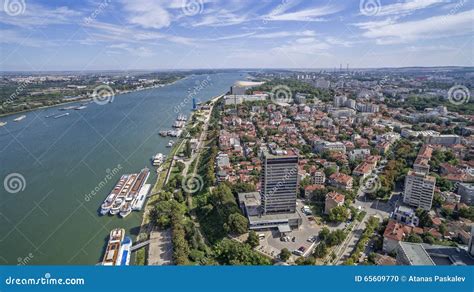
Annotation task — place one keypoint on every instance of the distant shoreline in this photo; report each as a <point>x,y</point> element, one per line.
<point>87,98</point>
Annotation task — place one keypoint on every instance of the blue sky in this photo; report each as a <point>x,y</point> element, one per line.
<point>184,34</point>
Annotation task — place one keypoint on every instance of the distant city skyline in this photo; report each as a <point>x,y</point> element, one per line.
<point>212,34</point>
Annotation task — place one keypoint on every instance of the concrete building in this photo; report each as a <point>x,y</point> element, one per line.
<point>340,100</point>
<point>321,146</point>
<point>318,178</point>
<point>279,182</point>
<point>413,254</point>
<point>239,99</point>
<point>240,87</point>
<point>251,206</point>
<point>405,215</point>
<point>333,200</point>
<point>445,140</point>
<point>422,254</point>
<point>419,190</point>
<point>466,191</point>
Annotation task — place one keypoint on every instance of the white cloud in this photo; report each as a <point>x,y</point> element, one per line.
<point>407,7</point>
<point>37,15</point>
<point>148,14</point>
<point>284,34</point>
<point>390,32</point>
<point>309,14</point>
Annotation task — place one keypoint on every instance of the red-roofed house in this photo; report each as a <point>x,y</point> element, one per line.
<point>394,233</point>
<point>333,200</point>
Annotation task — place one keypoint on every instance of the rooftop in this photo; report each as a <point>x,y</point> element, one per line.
<point>416,254</point>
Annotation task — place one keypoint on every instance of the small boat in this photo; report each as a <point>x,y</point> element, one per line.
<point>158,159</point>
<point>50,116</point>
<point>61,115</point>
<point>19,118</point>
<point>170,144</point>
<point>113,252</point>
<point>125,251</point>
<point>163,133</point>
<point>80,107</point>
<point>67,108</point>
<point>2,124</point>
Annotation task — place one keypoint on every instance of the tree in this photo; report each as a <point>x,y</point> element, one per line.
<point>338,214</point>
<point>238,223</point>
<point>320,250</point>
<point>324,233</point>
<point>180,166</point>
<point>285,254</point>
<point>415,238</point>
<point>424,218</point>
<point>302,261</point>
<point>187,149</point>
<point>253,239</point>
<point>230,252</point>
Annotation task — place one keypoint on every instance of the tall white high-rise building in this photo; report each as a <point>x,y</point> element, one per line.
<point>419,190</point>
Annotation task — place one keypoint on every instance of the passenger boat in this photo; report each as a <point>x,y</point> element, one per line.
<point>115,209</point>
<point>108,202</point>
<point>113,252</point>
<point>126,209</point>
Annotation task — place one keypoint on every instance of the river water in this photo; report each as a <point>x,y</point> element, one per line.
<point>47,212</point>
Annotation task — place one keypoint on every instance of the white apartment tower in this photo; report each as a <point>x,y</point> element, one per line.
<point>419,190</point>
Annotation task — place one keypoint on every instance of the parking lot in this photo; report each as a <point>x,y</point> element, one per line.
<point>272,244</point>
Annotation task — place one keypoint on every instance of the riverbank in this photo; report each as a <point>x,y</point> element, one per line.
<point>88,98</point>
<point>161,180</point>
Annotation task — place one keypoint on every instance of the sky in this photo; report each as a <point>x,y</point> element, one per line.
<point>209,34</point>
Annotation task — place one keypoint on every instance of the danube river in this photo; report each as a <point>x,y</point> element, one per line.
<point>47,212</point>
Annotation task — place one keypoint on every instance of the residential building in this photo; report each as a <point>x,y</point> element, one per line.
<point>341,180</point>
<point>318,178</point>
<point>405,215</point>
<point>445,140</point>
<point>322,146</point>
<point>419,190</point>
<point>466,191</point>
<point>333,200</point>
<point>393,234</point>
